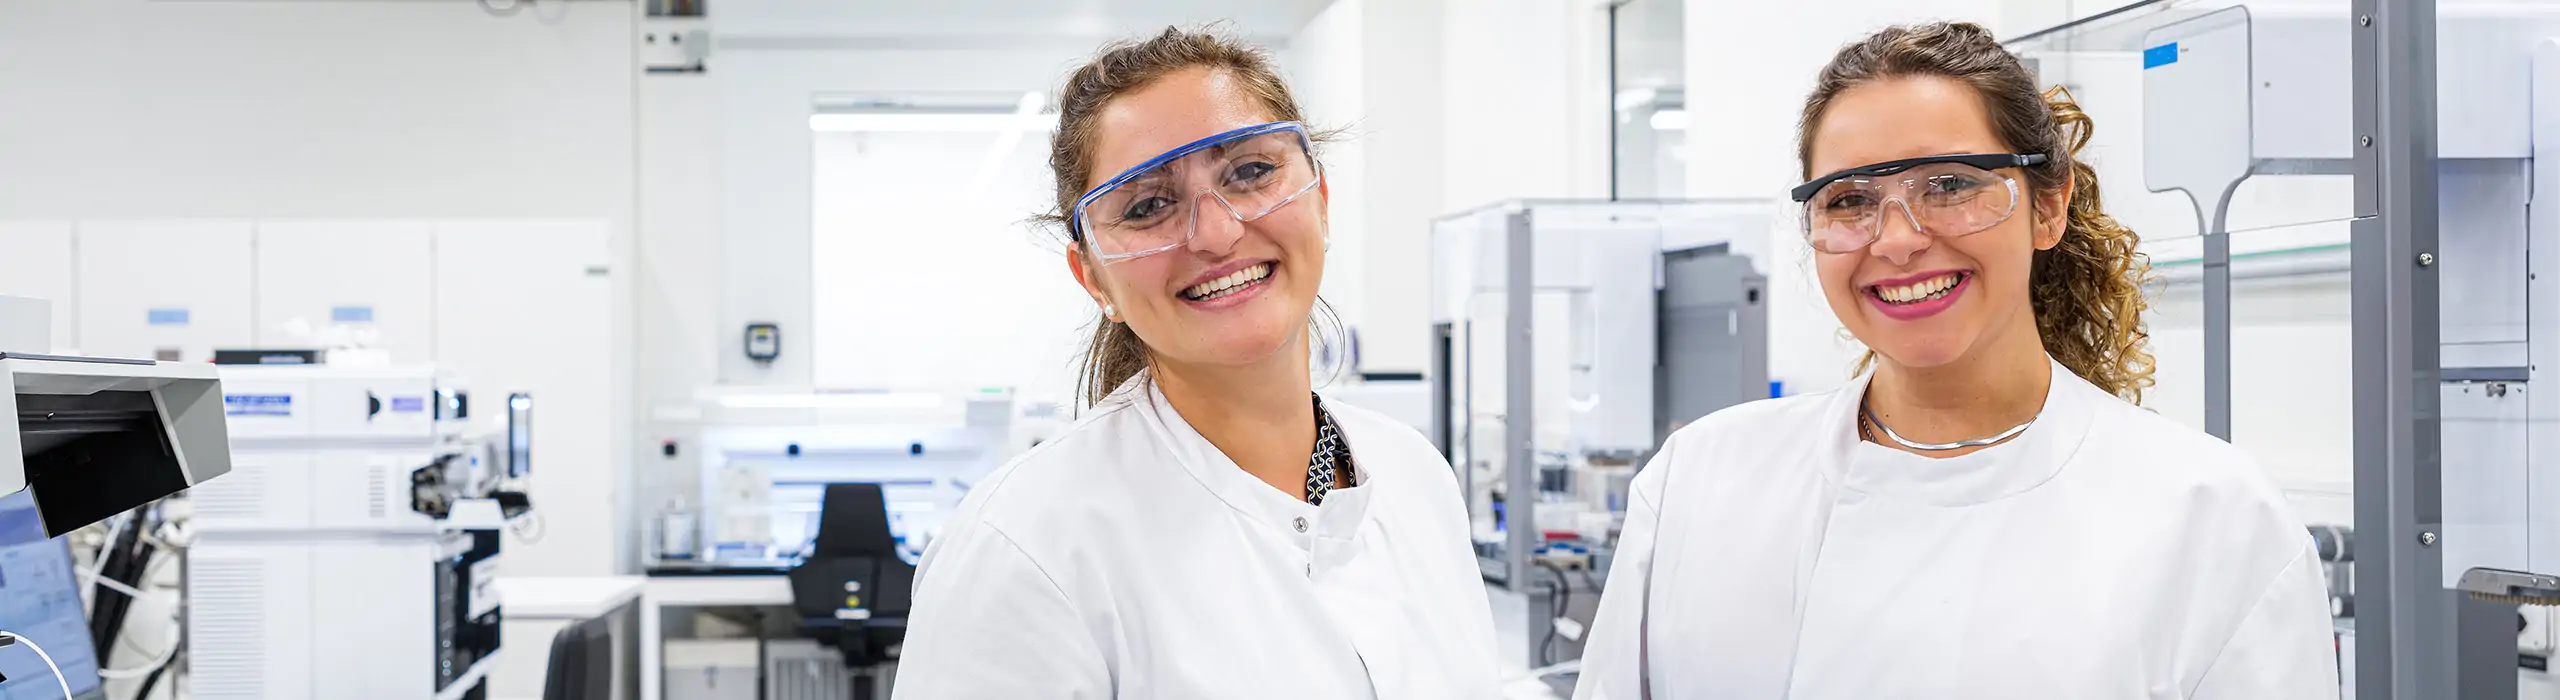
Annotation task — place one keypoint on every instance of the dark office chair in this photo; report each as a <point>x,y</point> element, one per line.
<point>581,662</point>
<point>853,591</point>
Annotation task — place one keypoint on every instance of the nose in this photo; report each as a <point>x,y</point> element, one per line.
<point>1898,238</point>
<point>1214,229</point>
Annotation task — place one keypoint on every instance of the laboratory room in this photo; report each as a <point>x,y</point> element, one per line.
<point>1398,349</point>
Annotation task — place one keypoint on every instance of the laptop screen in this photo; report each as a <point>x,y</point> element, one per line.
<point>39,599</point>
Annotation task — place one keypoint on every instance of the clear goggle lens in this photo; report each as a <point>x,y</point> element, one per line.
<point>1246,174</point>
<point>1941,199</point>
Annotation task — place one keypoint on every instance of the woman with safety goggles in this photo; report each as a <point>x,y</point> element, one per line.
<point>1984,512</point>
<point>1211,527</point>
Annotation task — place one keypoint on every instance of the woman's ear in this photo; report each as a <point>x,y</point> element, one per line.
<point>2053,213</point>
<point>1090,278</point>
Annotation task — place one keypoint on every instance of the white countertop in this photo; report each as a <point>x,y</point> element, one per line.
<point>719,590</point>
<point>565,597</point>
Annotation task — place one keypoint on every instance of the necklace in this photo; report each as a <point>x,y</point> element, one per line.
<point>1867,417</point>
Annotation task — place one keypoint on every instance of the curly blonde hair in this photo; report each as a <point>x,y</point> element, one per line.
<point>2087,290</point>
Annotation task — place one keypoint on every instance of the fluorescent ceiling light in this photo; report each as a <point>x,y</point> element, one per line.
<point>1669,120</point>
<point>872,401</point>
<point>918,121</point>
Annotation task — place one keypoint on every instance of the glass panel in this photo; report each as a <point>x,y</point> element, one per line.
<point>2177,60</point>
<point>2176,322</point>
<point>1649,99</point>
<point>2292,387</point>
<point>1470,256</point>
<point>2188,101</point>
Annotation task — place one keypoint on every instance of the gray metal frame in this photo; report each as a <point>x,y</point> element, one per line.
<point>2217,319</point>
<point>1519,407</point>
<point>2405,618</point>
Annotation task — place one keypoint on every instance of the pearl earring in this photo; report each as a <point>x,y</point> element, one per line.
<point>1108,311</point>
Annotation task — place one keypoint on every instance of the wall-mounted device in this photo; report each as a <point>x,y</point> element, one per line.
<point>764,342</point>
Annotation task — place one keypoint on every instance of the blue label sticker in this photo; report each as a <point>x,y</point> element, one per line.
<point>2161,55</point>
<point>408,404</point>
<point>257,404</point>
<point>350,314</point>
<point>167,317</point>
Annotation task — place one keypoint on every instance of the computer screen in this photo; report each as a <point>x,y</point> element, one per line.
<point>40,599</point>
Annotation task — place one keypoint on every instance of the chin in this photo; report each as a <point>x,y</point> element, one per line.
<point>1244,348</point>
<point>1921,351</point>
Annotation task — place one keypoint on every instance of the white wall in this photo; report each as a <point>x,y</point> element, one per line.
<point>141,110</point>
<point>1448,106</point>
<point>679,281</point>
<point>764,165</point>
<point>1327,65</point>
<point>771,57</point>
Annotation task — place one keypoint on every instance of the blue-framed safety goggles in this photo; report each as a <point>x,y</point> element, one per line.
<point>1154,207</point>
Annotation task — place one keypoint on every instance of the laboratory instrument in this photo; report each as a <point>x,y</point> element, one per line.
<point>92,437</point>
<point>2432,117</point>
<point>746,492</point>
<point>351,554</point>
<point>1571,338</point>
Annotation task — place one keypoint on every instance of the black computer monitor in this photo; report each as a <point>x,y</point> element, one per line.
<point>40,599</point>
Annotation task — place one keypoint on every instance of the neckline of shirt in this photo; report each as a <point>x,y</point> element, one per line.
<point>1991,474</point>
<point>1341,515</point>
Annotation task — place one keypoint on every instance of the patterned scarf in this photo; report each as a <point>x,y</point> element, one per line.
<point>1332,457</point>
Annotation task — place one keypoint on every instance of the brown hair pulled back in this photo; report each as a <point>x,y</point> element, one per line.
<point>1116,353</point>
<point>2086,291</point>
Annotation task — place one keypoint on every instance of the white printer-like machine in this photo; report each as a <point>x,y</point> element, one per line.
<point>93,437</point>
<point>350,552</point>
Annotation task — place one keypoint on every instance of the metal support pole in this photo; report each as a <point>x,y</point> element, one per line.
<point>2405,617</point>
<point>2217,333</point>
<point>1519,406</point>
<point>2485,653</point>
<point>2215,272</point>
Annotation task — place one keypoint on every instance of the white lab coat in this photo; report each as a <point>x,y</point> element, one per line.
<point>1130,558</point>
<point>2106,553</point>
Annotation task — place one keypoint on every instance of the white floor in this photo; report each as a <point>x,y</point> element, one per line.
<point>1511,632</point>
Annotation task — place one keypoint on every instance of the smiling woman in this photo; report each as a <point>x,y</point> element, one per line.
<point>1211,528</point>
<point>1924,531</point>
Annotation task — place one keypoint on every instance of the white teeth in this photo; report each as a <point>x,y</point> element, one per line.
<point>1214,288</point>
<point>1924,290</point>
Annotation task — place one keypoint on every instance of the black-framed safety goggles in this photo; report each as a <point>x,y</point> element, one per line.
<point>1943,196</point>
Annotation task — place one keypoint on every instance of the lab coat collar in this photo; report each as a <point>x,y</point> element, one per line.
<point>1988,475</point>
<point>1344,509</point>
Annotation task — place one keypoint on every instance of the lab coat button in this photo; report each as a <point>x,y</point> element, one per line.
<point>1302,524</point>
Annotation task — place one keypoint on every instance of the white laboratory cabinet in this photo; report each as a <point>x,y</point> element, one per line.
<point>527,306</point>
<point>365,274</point>
<point>35,261</point>
<point>516,305</point>
<point>165,290</point>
